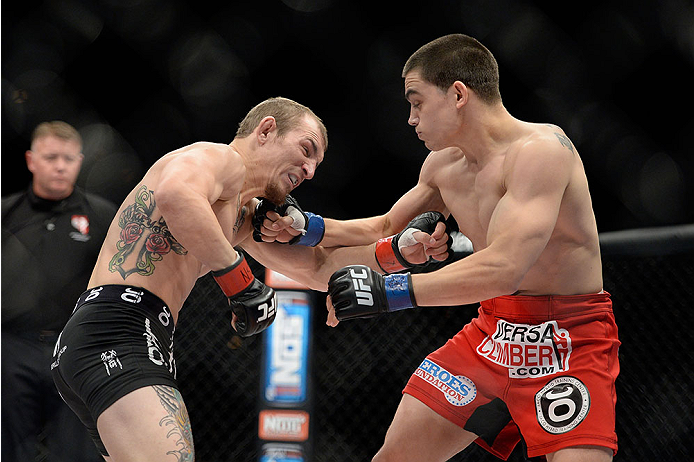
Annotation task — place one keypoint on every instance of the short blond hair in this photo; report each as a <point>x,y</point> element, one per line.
<point>57,128</point>
<point>287,113</point>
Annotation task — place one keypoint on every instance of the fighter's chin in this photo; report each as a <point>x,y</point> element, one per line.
<point>433,146</point>
<point>275,194</point>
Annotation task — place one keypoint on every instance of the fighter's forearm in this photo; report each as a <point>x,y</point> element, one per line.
<point>477,277</point>
<point>361,231</point>
<point>311,266</point>
<point>332,259</point>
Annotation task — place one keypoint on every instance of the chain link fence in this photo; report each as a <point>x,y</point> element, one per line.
<point>360,368</point>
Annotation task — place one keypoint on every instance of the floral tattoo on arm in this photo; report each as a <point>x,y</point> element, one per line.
<point>142,237</point>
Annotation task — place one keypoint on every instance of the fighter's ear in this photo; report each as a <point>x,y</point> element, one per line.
<point>265,128</point>
<point>461,92</point>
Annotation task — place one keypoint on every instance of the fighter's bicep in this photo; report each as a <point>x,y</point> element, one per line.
<point>525,216</point>
<point>522,226</point>
<point>421,198</point>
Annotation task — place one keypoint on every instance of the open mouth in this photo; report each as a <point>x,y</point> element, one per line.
<point>293,179</point>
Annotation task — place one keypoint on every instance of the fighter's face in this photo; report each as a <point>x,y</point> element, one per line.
<point>299,152</point>
<point>433,112</point>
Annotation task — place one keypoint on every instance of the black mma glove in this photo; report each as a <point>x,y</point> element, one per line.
<point>388,255</point>
<point>312,226</point>
<point>261,209</point>
<point>253,303</point>
<point>357,291</point>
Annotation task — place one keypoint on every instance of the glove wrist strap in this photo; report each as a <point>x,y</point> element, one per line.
<point>234,278</point>
<point>315,230</point>
<point>399,293</point>
<point>387,258</point>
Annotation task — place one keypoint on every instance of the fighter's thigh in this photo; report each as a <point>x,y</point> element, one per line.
<point>418,433</point>
<point>150,423</point>
<point>581,454</point>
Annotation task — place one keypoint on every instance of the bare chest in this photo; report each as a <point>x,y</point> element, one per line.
<point>471,196</point>
<point>234,219</point>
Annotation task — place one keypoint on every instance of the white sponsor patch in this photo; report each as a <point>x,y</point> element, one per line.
<point>528,350</point>
<point>458,389</point>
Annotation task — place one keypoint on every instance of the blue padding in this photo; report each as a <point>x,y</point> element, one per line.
<point>315,230</point>
<point>398,292</point>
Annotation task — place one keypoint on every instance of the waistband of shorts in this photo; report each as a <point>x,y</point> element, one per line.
<point>125,295</point>
<point>547,306</point>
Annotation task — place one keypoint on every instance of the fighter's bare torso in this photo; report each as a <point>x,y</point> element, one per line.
<point>473,192</point>
<point>139,249</point>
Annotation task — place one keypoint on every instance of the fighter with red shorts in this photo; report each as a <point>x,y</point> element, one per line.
<point>538,368</point>
<point>540,361</point>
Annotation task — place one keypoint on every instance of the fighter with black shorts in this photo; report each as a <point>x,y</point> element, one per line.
<point>127,344</point>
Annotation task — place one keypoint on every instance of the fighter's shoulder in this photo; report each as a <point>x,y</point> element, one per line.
<point>543,152</point>
<point>445,155</point>
<point>208,148</point>
<point>215,157</point>
<point>547,138</point>
<point>438,159</point>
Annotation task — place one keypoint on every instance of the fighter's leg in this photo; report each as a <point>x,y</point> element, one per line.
<point>581,454</point>
<point>148,424</point>
<point>418,433</point>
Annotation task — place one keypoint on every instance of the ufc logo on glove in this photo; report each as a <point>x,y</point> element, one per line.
<point>361,290</point>
<point>267,310</point>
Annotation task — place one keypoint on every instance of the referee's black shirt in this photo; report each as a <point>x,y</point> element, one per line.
<point>49,249</point>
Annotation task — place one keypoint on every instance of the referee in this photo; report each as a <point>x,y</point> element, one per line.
<point>51,235</point>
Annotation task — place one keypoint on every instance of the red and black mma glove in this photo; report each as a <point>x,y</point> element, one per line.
<point>253,303</point>
<point>312,226</point>
<point>388,255</point>
<point>357,291</point>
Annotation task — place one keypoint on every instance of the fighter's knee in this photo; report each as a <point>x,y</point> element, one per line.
<point>385,455</point>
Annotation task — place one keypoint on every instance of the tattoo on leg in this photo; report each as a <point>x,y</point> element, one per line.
<point>141,237</point>
<point>178,420</point>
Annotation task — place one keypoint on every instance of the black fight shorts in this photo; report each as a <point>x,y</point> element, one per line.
<point>118,339</point>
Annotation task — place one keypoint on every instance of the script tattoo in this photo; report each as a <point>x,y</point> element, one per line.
<point>146,239</point>
<point>240,218</point>
<point>564,140</point>
<point>178,420</point>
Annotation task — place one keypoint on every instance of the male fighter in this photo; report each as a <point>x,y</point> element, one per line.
<point>113,362</point>
<point>540,361</point>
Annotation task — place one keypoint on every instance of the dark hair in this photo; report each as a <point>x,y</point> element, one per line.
<point>287,113</point>
<point>457,57</point>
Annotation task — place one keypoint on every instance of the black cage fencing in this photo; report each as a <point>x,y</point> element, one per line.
<point>358,369</point>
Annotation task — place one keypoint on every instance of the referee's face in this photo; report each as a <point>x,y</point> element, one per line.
<point>55,164</point>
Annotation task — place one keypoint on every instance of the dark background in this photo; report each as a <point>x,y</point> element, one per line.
<point>140,78</point>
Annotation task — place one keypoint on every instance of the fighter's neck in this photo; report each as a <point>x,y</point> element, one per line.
<point>255,179</point>
<point>486,132</point>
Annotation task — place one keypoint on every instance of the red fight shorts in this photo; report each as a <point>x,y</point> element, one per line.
<point>541,368</point>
